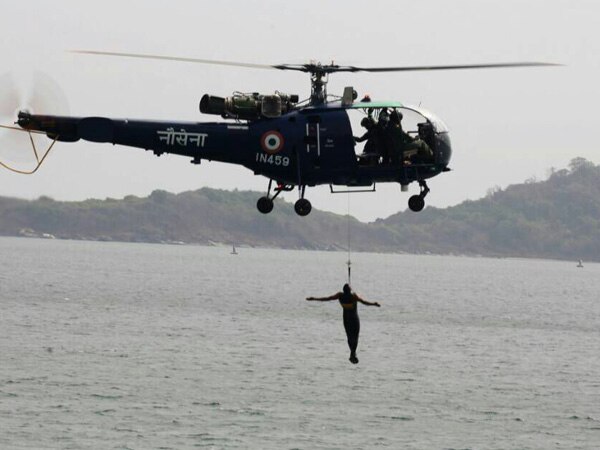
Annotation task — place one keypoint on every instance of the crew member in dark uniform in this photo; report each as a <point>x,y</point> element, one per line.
<point>372,149</point>
<point>396,138</point>
<point>349,301</point>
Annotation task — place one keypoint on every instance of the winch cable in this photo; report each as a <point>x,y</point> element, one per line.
<point>39,160</point>
<point>349,262</point>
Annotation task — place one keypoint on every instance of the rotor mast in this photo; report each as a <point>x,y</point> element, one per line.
<point>319,76</point>
<point>318,88</point>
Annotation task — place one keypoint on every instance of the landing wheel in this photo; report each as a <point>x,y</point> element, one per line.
<point>416,203</point>
<point>302,207</point>
<point>264,205</point>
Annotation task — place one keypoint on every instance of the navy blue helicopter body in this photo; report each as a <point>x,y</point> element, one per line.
<point>305,147</point>
<point>290,143</point>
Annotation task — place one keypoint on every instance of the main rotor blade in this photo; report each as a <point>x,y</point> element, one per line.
<point>449,67</point>
<point>314,67</point>
<point>175,58</point>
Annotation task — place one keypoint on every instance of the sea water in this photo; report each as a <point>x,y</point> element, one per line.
<point>142,346</point>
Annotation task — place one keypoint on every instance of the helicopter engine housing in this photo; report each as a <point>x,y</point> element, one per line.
<point>252,106</point>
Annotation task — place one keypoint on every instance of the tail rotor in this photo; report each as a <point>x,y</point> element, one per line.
<point>36,93</point>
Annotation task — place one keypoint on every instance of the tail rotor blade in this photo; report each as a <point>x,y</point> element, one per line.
<point>9,96</point>
<point>15,147</point>
<point>41,95</point>
<point>47,97</point>
<point>38,93</point>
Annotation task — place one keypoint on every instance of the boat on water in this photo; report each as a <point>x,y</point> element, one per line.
<point>233,251</point>
<point>580,264</point>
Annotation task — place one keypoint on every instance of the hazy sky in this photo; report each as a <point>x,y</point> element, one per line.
<point>506,125</point>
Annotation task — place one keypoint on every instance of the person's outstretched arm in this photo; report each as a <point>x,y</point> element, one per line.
<point>364,302</point>
<point>335,296</point>
<point>364,137</point>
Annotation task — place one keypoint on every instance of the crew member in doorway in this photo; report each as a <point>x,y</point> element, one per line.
<point>371,150</point>
<point>349,301</point>
<point>396,139</point>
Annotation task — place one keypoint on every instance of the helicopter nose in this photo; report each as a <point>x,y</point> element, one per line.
<point>444,149</point>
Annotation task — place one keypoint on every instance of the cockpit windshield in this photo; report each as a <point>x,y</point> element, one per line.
<point>438,124</point>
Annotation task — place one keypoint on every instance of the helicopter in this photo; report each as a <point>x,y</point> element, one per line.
<point>293,143</point>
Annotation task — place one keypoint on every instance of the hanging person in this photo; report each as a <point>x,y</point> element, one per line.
<point>349,301</point>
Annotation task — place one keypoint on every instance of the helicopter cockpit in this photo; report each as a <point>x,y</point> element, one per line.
<point>397,134</point>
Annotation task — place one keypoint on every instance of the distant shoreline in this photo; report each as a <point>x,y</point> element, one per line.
<point>258,247</point>
<point>554,219</point>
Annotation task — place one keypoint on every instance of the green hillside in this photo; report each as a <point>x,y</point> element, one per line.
<point>555,218</point>
<point>204,216</point>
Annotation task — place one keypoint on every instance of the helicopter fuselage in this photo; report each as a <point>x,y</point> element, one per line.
<point>292,143</point>
<point>305,147</point>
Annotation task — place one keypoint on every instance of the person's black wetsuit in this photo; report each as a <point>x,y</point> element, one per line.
<point>351,321</point>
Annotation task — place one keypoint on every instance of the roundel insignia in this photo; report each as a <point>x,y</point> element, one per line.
<point>272,142</point>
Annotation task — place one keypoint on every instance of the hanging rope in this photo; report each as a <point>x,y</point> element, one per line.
<point>39,160</point>
<point>349,262</point>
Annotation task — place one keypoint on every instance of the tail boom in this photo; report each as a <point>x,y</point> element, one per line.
<point>214,141</point>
